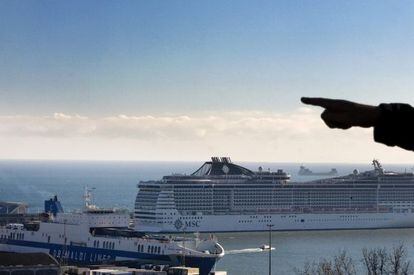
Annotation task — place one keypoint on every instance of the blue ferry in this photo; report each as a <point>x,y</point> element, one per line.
<point>102,236</point>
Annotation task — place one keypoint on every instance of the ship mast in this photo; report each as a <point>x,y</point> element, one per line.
<point>377,166</point>
<point>88,199</point>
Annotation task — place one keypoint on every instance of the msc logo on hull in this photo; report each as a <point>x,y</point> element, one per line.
<point>179,224</point>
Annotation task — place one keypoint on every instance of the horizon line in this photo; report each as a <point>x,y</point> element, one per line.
<point>182,161</point>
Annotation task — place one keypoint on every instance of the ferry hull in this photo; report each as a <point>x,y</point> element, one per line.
<point>79,255</point>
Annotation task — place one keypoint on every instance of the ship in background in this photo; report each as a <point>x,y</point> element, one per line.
<point>303,171</point>
<point>224,197</point>
<point>101,236</point>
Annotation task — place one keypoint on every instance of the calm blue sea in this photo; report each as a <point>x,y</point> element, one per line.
<point>115,185</point>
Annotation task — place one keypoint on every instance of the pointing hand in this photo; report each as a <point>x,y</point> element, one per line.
<point>345,114</point>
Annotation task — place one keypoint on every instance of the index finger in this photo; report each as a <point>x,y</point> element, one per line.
<point>327,103</point>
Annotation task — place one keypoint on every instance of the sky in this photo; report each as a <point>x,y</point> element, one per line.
<point>186,80</point>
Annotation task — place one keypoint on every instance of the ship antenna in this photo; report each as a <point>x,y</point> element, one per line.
<point>88,197</point>
<point>377,166</point>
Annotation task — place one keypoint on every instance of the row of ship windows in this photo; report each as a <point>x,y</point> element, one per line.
<point>105,244</point>
<point>283,198</point>
<point>150,249</point>
<point>253,198</point>
<point>171,214</point>
<point>276,192</point>
<point>255,205</point>
<point>166,214</point>
<point>304,201</point>
<point>322,193</point>
<point>250,221</point>
<point>289,201</point>
<point>48,237</point>
<point>255,217</point>
<point>344,219</point>
<point>13,236</point>
<point>292,209</point>
<point>281,190</point>
<point>313,196</point>
<point>113,217</point>
<point>191,218</point>
<point>325,220</point>
<point>307,202</point>
<point>371,183</point>
<point>289,192</point>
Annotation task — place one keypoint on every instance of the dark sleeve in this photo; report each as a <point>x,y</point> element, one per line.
<point>395,125</point>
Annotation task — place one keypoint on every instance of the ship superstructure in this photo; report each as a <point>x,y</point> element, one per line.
<point>96,236</point>
<point>224,197</point>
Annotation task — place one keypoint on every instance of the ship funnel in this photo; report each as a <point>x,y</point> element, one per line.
<point>53,206</point>
<point>225,160</point>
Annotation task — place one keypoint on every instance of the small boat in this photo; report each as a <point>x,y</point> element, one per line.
<point>265,247</point>
<point>303,171</point>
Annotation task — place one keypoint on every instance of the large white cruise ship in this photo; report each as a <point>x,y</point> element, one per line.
<point>224,197</point>
<point>101,236</point>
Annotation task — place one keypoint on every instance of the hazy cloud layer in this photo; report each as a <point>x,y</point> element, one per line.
<point>206,125</point>
<point>299,136</point>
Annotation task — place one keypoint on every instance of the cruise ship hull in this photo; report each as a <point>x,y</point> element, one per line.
<point>224,197</point>
<point>284,222</point>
